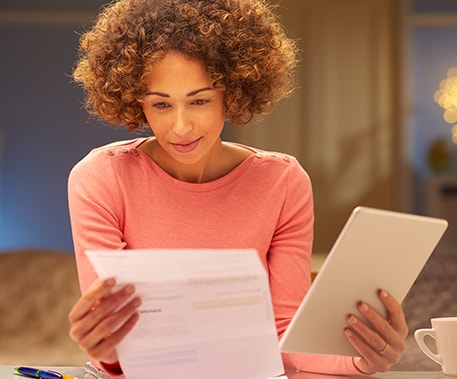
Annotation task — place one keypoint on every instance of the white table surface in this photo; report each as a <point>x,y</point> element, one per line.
<point>7,372</point>
<point>385,375</point>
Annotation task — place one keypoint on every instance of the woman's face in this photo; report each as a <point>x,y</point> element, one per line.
<point>184,110</point>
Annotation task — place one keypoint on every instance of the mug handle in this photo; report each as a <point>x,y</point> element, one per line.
<point>419,336</point>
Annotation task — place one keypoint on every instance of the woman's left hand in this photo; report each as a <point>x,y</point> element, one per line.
<point>379,340</point>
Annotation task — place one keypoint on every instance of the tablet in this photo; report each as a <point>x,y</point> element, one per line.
<point>376,249</point>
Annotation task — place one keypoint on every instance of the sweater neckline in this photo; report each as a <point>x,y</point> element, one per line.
<point>225,180</point>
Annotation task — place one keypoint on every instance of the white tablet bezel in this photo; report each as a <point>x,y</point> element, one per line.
<point>376,249</point>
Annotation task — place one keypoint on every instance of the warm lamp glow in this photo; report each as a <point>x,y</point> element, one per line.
<point>446,97</point>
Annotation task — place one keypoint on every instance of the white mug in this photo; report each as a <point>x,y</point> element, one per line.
<point>444,334</point>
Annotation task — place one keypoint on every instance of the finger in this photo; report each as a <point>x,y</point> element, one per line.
<point>383,329</point>
<point>379,334</point>
<point>103,307</point>
<point>395,313</point>
<point>95,315</point>
<point>112,328</point>
<point>369,336</point>
<point>392,329</point>
<point>87,300</point>
<point>370,360</point>
<point>104,350</point>
<point>107,326</point>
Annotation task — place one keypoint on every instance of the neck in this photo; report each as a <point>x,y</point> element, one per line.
<point>202,171</point>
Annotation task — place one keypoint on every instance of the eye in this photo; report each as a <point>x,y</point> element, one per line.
<point>161,105</point>
<point>200,101</point>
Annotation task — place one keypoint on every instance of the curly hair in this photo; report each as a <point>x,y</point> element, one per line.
<point>241,42</point>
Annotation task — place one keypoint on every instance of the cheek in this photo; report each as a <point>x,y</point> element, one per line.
<point>153,119</point>
<point>218,117</point>
<point>213,123</point>
<point>153,123</point>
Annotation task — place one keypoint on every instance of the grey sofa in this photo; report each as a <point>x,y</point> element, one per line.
<point>434,294</point>
<point>38,287</point>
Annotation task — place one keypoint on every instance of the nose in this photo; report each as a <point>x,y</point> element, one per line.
<point>182,124</point>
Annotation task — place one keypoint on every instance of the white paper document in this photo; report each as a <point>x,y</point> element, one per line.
<point>205,313</point>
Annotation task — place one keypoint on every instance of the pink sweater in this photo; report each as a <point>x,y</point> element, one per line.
<point>119,198</point>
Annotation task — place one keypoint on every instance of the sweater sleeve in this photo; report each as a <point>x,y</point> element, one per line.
<point>95,212</point>
<point>289,265</point>
<point>95,221</point>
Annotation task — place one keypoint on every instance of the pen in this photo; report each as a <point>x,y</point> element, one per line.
<point>36,373</point>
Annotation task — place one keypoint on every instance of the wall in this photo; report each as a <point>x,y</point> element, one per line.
<point>45,130</point>
<point>341,123</point>
<point>432,32</point>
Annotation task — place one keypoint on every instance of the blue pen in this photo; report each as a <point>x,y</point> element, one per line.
<point>36,373</point>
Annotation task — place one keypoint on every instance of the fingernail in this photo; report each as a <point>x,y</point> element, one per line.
<point>353,320</point>
<point>129,289</point>
<point>363,307</point>
<point>384,294</point>
<point>137,302</point>
<point>110,282</point>
<point>348,332</point>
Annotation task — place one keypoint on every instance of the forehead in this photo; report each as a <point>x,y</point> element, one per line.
<point>177,71</point>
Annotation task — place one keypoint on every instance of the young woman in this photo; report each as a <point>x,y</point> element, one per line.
<point>183,68</point>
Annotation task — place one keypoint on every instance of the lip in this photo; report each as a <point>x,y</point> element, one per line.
<point>185,146</point>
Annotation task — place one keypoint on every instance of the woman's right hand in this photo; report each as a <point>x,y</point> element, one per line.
<point>102,317</point>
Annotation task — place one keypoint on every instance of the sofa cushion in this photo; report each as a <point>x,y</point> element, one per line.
<point>38,289</point>
<point>434,294</point>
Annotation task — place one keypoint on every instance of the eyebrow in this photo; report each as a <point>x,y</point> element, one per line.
<point>191,93</point>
